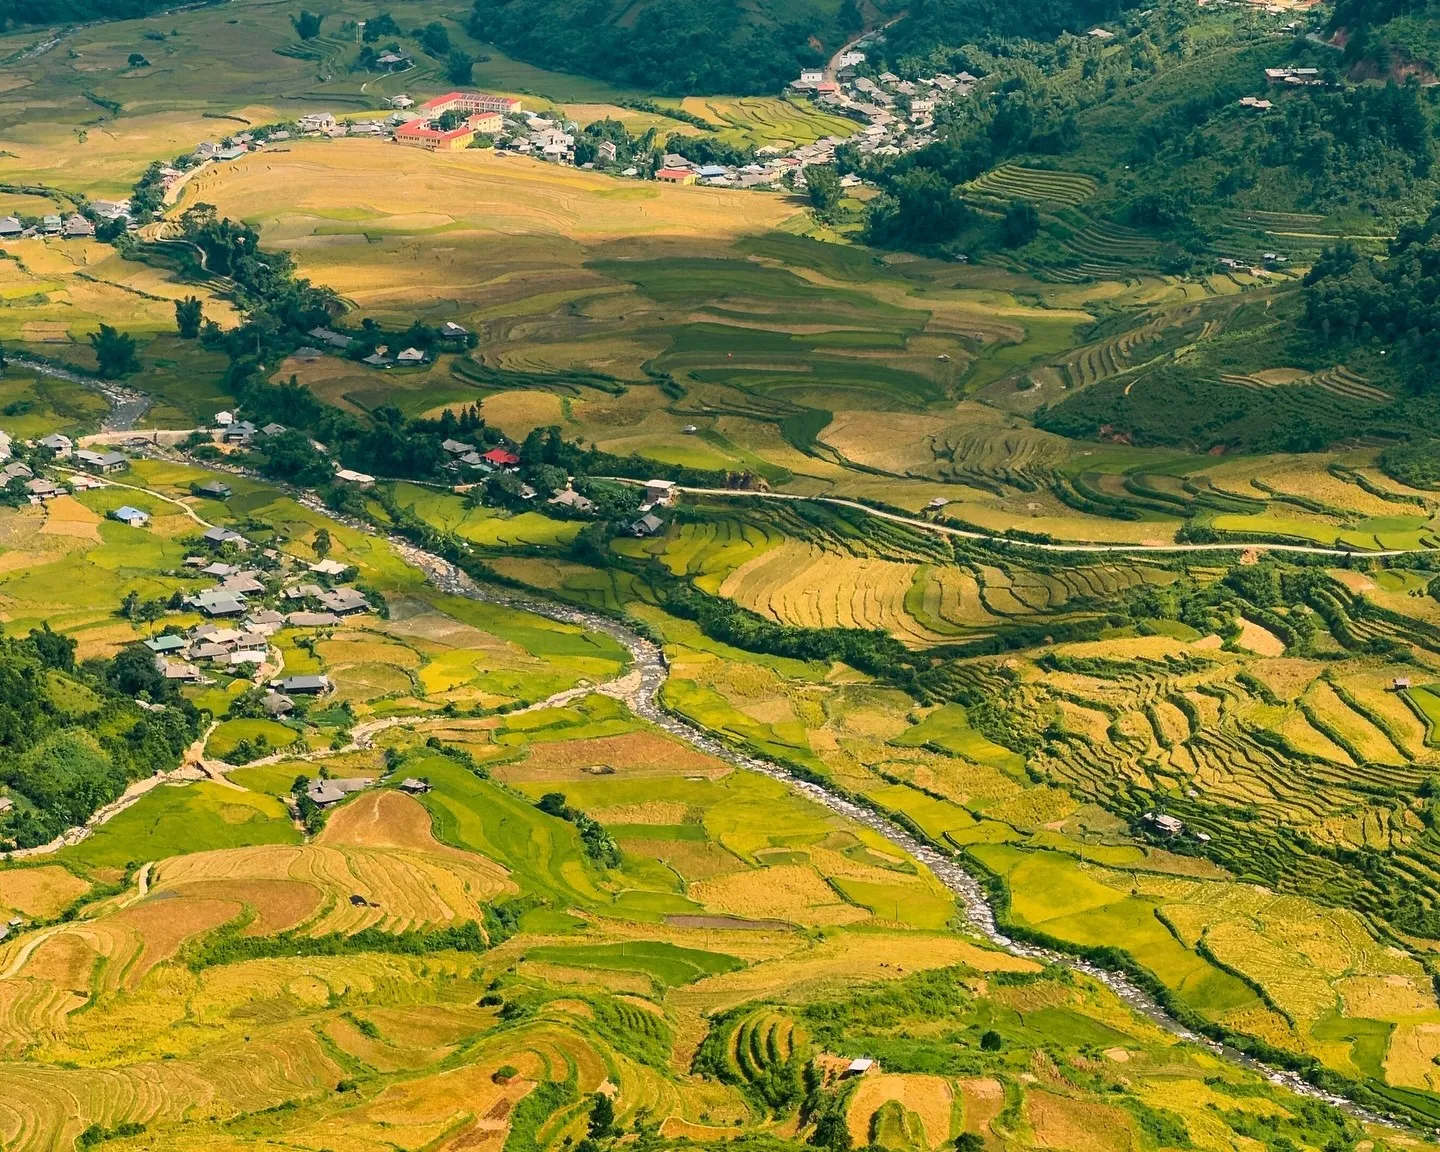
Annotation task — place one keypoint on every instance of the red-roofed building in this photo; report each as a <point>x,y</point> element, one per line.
<point>419,134</point>
<point>500,458</point>
<point>470,102</point>
<point>677,175</point>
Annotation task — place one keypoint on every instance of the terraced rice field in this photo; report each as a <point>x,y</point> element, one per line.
<point>760,121</point>
<point>1339,381</point>
<point>804,585</point>
<point>1013,182</point>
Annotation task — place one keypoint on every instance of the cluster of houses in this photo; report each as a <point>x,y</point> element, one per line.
<point>328,791</point>
<point>237,634</point>
<point>40,488</point>
<point>1270,262</point>
<point>71,227</point>
<point>898,115</point>
<point>328,340</point>
<point>468,458</point>
<point>658,494</point>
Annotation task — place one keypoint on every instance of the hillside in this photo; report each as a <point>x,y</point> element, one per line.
<point>676,616</point>
<point>674,47</point>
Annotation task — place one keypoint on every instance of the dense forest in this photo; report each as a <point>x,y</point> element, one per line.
<point>73,737</point>
<point>930,25</point>
<point>13,12</point>
<point>672,47</point>
<point>1395,301</point>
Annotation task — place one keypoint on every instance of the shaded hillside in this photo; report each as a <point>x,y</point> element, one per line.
<point>932,24</point>
<point>674,47</point>
<point>1388,35</point>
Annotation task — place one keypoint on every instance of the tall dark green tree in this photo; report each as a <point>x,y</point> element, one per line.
<point>459,67</point>
<point>307,24</point>
<point>188,317</point>
<point>822,185</point>
<point>115,351</point>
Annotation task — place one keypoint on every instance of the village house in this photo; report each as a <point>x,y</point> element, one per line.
<point>326,336</point>
<point>166,643</point>
<point>364,479</point>
<point>101,462</point>
<point>316,122</point>
<point>310,684</point>
<point>215,537</point>
<point>10,226</point>
<point>1165,825</point>
<point>60,445</point>
<point>345,601</point>
<point>311,619</point>
<point>277,704</point>
<point>413,786</point>
<point>452,331</point>
<point>218,603</point>
<point>647,525</point>
<point>677,176</point>
<point>605,152</point>
<point>569,498</point>
<point>76,227</point>
<point>410,356</point>
<point>660,492</point>
<point>130,516</point>
<point>40,489</point>
<point>327,792</point>
<point>500,458</point>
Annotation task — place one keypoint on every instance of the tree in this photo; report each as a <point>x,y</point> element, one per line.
<point>969,1142</point>
<point>321,546</point>
<point>824,189</point>
<point>56,650</point>
<point>1022,224</point>
<point>138,61</point>
<point>188,317</point>
<point>602,1116</point>
<point>991,1041</point>
<point>115,352</point>
<point>307,24</point>
<point>133,671</point>
<point>458,67</point>
<point>434,39</point>
<point>832,1132</point>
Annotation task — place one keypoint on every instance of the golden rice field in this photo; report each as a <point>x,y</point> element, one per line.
<point>761,121</point>
<point>931,1098</point>
<point>384,234</point>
